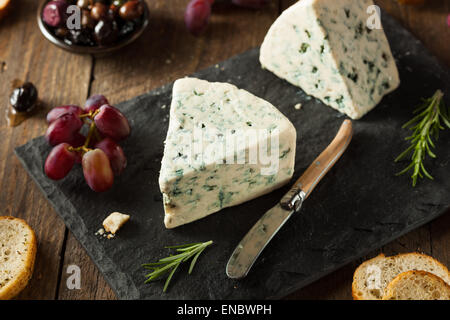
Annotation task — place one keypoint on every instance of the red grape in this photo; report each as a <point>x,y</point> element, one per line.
<point>54,13</point>
<point>59,162</point>
<point>97,170</point>
<point>112,123</point>
<point>94,102</point>
<point>197,15</point>
<point>77,141</point>
<point>115,155</point>
<point>254,4</point>
<point>55,113</point>
<point>63,129</point>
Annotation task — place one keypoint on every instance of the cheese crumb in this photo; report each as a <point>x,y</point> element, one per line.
<point>298,106</point>
<point>115,221</point>
<point>100,232</point>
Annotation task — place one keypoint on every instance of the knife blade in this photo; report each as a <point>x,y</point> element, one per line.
<point>254,242</point>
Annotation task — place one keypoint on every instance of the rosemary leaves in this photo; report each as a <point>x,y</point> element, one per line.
<point>431,117</point>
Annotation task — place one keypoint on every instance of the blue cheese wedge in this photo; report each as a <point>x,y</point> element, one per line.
<point>326,48</point>
<point>224,146</point>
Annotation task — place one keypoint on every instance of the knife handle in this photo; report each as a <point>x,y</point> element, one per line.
<point>303,187</point>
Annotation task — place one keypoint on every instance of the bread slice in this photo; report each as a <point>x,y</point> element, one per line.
<point>373,276</point>
<point>417,285</point>
<point>17,254</point>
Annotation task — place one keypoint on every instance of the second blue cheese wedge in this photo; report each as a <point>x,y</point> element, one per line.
<point>326,48</point>
<point>224,146</point>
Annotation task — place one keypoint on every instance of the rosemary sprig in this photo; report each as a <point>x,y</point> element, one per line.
<point>429,118</point>
<point>171,263</point>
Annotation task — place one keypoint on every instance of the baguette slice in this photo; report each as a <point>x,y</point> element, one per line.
<point>417,285</point>
<point>17,255</point>
<point>373,276</point>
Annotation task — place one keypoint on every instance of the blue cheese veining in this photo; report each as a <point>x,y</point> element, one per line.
<point>197,177</point>
<point>325,47</point>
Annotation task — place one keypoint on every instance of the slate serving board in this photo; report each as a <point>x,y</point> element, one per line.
<point>358,207</point>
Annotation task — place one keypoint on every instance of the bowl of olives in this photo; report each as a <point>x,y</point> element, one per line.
<point>92,26</point>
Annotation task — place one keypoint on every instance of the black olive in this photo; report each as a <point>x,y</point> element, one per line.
<point>103,22</point>
<point>24,98</point>
<point>127,28</point>
<point>106,32</point>
<point>81,37</point>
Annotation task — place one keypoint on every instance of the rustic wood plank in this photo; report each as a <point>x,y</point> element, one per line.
<point>92,284</point>
<point>414,241</point>
<point>334,286</point>
<point>26,55</point>
<point>440,239</point>
<point>427,22</point>
<point>163,54</point>
<point>284,4</point>
<point>167,51</point>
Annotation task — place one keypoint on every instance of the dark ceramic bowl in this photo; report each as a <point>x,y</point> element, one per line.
<point>96,50</point>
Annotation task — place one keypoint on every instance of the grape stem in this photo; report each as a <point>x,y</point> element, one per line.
<point>90,114</point>
<point>92,131</point>
<point>89,136</point>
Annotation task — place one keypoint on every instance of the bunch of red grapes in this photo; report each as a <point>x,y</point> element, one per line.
<point>198,12</point>
<point>99,153</point>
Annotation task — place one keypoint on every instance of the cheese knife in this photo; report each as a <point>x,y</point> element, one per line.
<point>271,222</point>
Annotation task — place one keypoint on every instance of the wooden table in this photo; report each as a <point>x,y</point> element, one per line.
<point>164,53</point>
